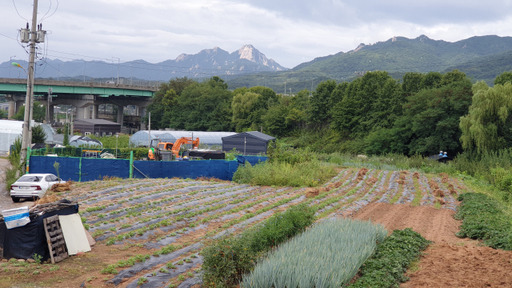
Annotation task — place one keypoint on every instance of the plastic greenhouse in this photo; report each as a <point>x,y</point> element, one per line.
<point>9,131</point>
<point>141,138</point>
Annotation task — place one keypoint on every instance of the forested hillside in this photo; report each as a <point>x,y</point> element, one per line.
<point>374,114</point>
<point>479,57</point>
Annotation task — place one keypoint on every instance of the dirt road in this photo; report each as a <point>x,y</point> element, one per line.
<point>449,261</point>
<point>5,199</point>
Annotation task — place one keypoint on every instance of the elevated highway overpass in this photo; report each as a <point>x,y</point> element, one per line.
<point>85,97</point>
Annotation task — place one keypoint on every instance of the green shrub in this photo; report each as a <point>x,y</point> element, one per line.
<point>483,218</point>
<point>284,174</point>
<point>281,227</point>
<point>327,255</point>
<point>227,259</point>
<point>391,259</point>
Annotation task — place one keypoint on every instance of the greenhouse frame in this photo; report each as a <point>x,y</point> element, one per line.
<point>141,138</point>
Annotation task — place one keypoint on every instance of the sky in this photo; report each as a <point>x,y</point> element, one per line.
<point>289,31</point>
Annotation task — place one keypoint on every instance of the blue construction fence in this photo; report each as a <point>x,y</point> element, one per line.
<point>81,169</point>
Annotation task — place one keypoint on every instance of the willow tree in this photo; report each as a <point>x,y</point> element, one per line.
<point>488,124</point>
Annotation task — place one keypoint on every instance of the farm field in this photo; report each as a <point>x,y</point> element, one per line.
<point>149,232</point>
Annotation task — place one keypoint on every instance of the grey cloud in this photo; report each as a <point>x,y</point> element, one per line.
<point>352,12</point>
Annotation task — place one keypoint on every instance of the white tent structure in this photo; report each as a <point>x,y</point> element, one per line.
<point>9,131</point>
<point>142,138</point>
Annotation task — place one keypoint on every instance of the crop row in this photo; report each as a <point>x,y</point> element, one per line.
<point>184,212</point>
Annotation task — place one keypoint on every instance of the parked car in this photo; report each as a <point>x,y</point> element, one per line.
<point>33,186</point>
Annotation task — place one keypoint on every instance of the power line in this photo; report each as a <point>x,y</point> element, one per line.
<point>8,37</point>
<point>17,12</point>
<point>46,16</point>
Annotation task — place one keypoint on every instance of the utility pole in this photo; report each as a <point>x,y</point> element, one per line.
<point>27,129</point>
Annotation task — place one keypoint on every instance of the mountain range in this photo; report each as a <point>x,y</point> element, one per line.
<point>480,57</point>
<point>205,64</point>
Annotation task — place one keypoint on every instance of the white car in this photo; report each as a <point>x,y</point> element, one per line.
<point>33,186</point>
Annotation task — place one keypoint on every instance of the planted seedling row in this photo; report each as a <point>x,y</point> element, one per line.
<point>246,219</point>
<point>140,208</point>
<point>359,191</point>
<point>153,221</point>
<point>373,192</point>
<point>180,220</point>
<point>258,216</point>
<point>167,216</point>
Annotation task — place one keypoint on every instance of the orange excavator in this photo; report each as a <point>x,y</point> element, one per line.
<point>163,147</point>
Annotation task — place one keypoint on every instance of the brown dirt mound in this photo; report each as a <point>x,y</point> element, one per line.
<point>449,261</point>
<point>61,187</point>
<point>361,174</point>
<point>312,192</point>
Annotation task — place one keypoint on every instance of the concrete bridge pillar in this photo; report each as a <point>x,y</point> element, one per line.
<point>142,114</point>
<point>12,109</point>
<point>19,104</point>
<point>83,112</point>
<point>120,111</point>
<point>95,111</point>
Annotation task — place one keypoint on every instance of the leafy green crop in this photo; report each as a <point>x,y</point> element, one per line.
<point>387,266</point>
<point>483,218</point>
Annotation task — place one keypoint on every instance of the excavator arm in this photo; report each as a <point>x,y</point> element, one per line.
<point>184,140</point>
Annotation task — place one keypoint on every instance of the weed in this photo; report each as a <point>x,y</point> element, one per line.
<point>54,268</point>
<point>37,258</point>
<point>141,281</point>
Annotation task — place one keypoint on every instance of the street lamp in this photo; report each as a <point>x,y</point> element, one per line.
<point>15,64</point>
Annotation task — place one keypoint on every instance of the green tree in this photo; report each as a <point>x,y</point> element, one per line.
<point>38,135</point>
<point>371,102</point>
<point>503,78</point>
<point>412,83</point>
<point>319,104</point>
<point>431,80</point>
<point>203,106</point>
<point>488,124</point>
<point>65,142</point>
<point>250,105</point>
<point>38,113</point>
<point>165,98</point>
<point>243,106</point>
<point>275,121</point>
<point>3,114</point>
<point>431,116</point>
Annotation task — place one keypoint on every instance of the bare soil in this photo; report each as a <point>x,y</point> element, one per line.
<point>449,261</point>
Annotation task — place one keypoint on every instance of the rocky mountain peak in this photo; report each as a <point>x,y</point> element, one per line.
<point>248,52</point>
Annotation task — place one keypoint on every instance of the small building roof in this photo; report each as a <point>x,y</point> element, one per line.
<point>254,134</point>
<point>97,122</point>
